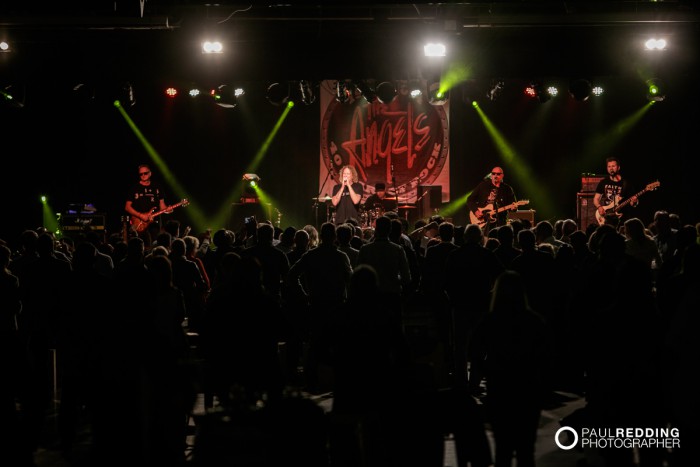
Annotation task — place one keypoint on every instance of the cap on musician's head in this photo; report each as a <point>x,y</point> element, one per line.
<point>380,186</point>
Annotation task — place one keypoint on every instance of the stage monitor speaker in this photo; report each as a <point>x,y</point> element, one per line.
<point>526,214</point>
<point>429,199</point>
<point>239,211</point>
<point>585,210</point>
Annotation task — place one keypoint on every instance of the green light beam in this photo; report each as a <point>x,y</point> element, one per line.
<point>521,172</point>
<point>193,210</point>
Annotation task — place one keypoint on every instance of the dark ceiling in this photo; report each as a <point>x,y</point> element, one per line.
<point>305,40</point>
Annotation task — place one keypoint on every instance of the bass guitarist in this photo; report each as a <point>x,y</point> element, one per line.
<point>142,201</point>
<point>610,191</point>
<point>485,200</point>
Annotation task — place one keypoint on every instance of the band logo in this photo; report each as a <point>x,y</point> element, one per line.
<point>403,143</point>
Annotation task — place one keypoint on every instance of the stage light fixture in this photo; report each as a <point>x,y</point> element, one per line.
<point>386,92</point>
<point>655,44</point>
<point>580,89</point>
<point>536,90</point>
<point>126,94</point>
<point>171,92</point>
<point>552,91</point>
<point>194,92</point>
<point>12,95</point>
<point>306,91</point>
<point>415,88</point>
<point>437,95</point>
<point>655,90</point>
<point>4,46</point>
<point>365,88</point>
<point>212,47</point>
<point>597,91</point>
<point>432,49</point>
<point>225,96</point>
<point>495,90</point>
<point>345,91</point>
<point>278,94</point>
<point>83,93</point>
<point>250,185</point>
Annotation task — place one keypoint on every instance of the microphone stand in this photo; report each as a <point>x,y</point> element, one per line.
<point>396,191</point>
<point>315,205</point>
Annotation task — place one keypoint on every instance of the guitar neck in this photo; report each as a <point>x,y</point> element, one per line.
<point>176,205</point>
<point>629,200</point>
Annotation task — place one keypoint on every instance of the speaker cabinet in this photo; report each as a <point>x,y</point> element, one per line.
<point>429,199</point>
<point>239,211</point>
<point>585,210</point>
<point>589,182</point>
<point>524,214</point>
<point>78,225</point>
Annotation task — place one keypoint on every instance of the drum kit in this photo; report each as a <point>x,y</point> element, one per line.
<point>367,214</point>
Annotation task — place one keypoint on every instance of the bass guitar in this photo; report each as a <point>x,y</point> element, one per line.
<point>615,207</point>
<point>488,214</point>
<point>139,225</point>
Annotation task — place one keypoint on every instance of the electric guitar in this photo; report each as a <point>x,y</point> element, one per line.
<point>615,207</point>
<point>488,214</point>
<point>139,225</point>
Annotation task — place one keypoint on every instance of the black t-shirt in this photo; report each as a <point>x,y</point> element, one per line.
<point>612,192</point>
<point>345,208</point>
<point>488,194</point>
<point>145,198</point>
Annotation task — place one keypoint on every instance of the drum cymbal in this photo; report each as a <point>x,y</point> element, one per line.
<point>406,206</point>
<point>322,198</point>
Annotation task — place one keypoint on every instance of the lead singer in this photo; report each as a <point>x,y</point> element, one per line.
<point>347,196</point>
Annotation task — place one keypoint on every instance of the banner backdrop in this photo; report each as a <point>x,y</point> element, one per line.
<point>402,144</point>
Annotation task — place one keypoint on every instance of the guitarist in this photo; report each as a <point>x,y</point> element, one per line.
<point>145,198</point>
<point>611,191</point>
<point>491,192</point>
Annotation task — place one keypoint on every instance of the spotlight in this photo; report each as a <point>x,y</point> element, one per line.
<point>126,94</point>
<point>655,90</point>
<point>386,92</point>
<point>83,93</point>
<point>655,44</point>
<point>12,95</point>
<point>496,88</point>
<point>536,90</point>
<point>434,50</point>
<point>212,47</point>
<point>307,92</point>
<point>171,92</point>
<point>250,185</point>
<point>415,88</point>
<point>194,92</point>
<point>366,90</point>
<point>278,94</point>
<point>436,94</point>
<point>4,46</point>
<point>345,91</point>
<point>597,91</point>
<point>225,96</point>
<point>580,89</point>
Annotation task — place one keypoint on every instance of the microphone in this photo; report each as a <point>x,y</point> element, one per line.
<point>488,176</point>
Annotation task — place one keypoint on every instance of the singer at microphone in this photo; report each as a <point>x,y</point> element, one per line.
<point>347,195</point>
